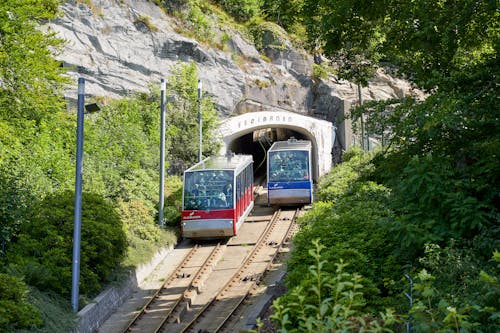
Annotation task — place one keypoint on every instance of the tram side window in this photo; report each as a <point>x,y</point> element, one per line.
<point>288,166</point>
<point>249,171</point>
<point>208,190</point>
<point>238,187</point>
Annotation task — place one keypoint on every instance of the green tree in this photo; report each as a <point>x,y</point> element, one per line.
<point>30,77</point>
<point>449,49</point>
<point>31,163</point>
<point>285,13</point>
<point>338,29</point>
<point>183,119</point>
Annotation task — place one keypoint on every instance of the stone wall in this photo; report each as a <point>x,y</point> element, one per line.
<point>93,315</point>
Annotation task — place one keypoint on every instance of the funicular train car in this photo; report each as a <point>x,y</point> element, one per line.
<point>217,196</point>
<point>289,173</point>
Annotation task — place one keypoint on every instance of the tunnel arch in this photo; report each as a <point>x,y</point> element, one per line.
<point>320,132</point>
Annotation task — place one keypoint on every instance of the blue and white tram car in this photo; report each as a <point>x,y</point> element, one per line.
<point>217,196</point>
<point>289,173</point>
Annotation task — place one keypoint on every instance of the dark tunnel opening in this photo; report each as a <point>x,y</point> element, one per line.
<point>257,144</point>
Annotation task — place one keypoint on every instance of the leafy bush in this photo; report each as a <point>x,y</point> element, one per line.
<point>138,220</point>
<point>435,205</point>
<point>337,182</point>
<point>319,72</point>
<point>456,295</point>
<point>173,200</point>
<point>267,34</point>
<point>355,223</point>
<point>242,10</point>
<point>327,302</point>
<point>43,251</point>
<point>15,311</point>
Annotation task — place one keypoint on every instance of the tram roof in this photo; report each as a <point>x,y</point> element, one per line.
<point>291,144</point>
<point>230,162</point>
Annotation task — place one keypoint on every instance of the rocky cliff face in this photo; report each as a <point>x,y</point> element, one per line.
<point>117,54</point>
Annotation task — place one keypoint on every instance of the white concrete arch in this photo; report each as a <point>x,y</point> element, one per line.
<point>320,132</point>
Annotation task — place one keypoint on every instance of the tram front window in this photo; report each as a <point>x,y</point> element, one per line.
<point>287,166</point>
<point>208,190</point>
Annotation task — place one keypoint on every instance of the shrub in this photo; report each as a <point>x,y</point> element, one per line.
<point>138,220</point>
<point>43,251</point>
<point>144,20</point>
<point>242,10</point>
<point>319,72</point>
<point>327,301</point>
<point>15,311</point>
<point>354,220</point>
<point>455,292</point>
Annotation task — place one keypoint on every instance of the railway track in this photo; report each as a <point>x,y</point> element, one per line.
<point>216,316</point>
<point>213,281</point>
<point>167,301</point>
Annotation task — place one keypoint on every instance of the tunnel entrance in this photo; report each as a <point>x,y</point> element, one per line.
<point>258,142</point>
<point>245,134</point>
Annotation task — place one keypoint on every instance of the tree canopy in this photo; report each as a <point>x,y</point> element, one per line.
<point>29,75</point>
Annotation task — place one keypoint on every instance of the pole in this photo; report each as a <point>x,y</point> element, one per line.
<point>200,121</point>
<point>78,197</point>
<point>360,98</point>
<point>162,152</point>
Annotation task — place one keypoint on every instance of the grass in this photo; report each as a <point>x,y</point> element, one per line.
<point>56,313</point>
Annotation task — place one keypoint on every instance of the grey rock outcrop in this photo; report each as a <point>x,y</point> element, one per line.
<point>111,46</point>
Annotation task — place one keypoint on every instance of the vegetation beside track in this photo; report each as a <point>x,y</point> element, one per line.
<point>431,198</point>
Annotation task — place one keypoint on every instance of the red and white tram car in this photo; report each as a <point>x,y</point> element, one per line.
<point>217,196</point>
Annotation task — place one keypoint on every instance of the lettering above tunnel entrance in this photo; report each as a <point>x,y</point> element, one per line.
<point>320,132</point>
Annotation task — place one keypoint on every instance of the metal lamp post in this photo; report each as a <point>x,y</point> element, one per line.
<point>78,197</point>
<point>78,192</point>
<point>200,121</point>
<point>162,153</point>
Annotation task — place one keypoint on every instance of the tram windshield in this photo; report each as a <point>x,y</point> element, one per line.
<point>208,190</point>
<point>286,166</point>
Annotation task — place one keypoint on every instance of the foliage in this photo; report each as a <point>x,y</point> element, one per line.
<point>183,119</point>
<point>147,22</point>
<point>195,18</point>
<point>337,28</point>
<point>436,204</point>
<point>319,72</point>
<point>173,200</point>
<point>468,304</point>
<point>354,223</point>
<point>36,160</point>
<point>43,251</point>
<point>242,10</point>
<point>122,149</point>
<point>201,24</point>
<point>286,13</point>
<point>327,302</point>
<point>429,41</point>
<point>15,311</point>
<point>55,312</point>
<point>266,34</point>
<point>30,77</point>
<point>337,182</point>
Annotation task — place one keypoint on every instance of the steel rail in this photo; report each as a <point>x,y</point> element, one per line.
<point>237,275</point>
<point>157,293</point>
<point>193,282</point>
<point>260,277</point>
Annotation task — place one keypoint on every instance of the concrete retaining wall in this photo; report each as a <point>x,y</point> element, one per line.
<point>92,316</point>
